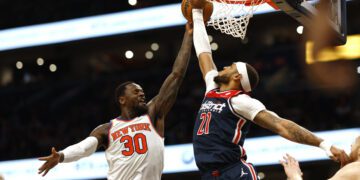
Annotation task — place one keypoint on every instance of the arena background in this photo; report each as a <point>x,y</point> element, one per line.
<point>40,108</point>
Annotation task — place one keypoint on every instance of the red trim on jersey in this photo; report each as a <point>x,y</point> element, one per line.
<point>153,126</point>
<point>109,135</point>
<point>243,152</point>
<point>251,168</point>
<point>238,133</point>
<point>225,94</point>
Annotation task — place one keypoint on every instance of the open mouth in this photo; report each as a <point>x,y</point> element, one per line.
<point>142,101</point>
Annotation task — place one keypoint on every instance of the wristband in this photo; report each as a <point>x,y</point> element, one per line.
<point>326,146</point>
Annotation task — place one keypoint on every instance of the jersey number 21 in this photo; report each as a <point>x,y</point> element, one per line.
<point>205,123</point>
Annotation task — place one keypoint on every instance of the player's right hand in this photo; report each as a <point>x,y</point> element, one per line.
<point>50,161</point>
<point>339,155</point>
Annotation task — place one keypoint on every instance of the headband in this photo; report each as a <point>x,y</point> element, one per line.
<point>245,83</point>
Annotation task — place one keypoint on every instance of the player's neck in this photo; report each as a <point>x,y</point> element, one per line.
<point>128,114</point>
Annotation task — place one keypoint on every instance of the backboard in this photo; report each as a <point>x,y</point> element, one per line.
<point>305,11</point>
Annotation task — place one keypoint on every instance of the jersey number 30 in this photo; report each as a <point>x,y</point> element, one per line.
<point>137,143</point>
<point>205,123</point>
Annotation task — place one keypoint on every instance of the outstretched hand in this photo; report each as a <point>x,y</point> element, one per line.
<point>50,161</point>
<point>291,167</point>
<point>339,155</point>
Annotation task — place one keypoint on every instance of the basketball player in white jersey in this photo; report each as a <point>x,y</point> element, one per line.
<point>349,172</point>
<point>133,141</point>
<point>228,111</point>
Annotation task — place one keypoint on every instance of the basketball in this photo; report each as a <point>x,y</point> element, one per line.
<point>187,5</point>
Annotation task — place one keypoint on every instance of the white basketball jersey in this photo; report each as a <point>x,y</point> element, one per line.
<point>135,151</point>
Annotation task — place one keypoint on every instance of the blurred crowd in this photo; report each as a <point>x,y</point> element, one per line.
<point>60,110</point>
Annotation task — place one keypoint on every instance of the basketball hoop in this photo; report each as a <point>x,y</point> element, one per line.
<point>232,16</point>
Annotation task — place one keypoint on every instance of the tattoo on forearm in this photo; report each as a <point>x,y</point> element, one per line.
<point>300,134</point>
<point>170,87</point>
<point>182,60</point>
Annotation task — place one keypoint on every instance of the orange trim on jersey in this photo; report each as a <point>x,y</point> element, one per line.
<point>153,126</point>
<point>109,134</point>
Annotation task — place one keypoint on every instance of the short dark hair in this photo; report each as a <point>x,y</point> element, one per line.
<point>253,76</point>
<point>120,90</point>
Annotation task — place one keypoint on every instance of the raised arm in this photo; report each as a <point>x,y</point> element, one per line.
<point>296,133</point>
<point>163,102</point>
<point>97,138</point>
<point>202,44</point>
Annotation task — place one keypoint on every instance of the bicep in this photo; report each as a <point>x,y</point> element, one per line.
<point>206,63</point>
<point>101,134</point>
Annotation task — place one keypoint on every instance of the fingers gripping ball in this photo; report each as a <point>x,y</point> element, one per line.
<point>187,5</point>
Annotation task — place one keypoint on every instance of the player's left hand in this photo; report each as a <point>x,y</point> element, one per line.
<point>291,167</point>
<point>339,155</point>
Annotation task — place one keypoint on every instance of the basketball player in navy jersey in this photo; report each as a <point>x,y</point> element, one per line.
<point>134,150</point>
<point>227,112</point>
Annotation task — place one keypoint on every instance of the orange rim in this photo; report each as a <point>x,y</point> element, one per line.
<point>245,2</point>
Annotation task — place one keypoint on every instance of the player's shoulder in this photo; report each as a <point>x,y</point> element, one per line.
<point>103,128</point>
<point>242,97</point>
<point>350,171</point>
<point>353,167</point>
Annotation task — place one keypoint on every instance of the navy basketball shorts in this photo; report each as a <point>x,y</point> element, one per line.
<point>238,171</point>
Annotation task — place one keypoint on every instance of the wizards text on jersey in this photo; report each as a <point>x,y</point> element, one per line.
<point>212,107</point>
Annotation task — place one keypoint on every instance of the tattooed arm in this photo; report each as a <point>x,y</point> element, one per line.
<point>286,128</point>
<point>161,104</point>
<point>295,133</point>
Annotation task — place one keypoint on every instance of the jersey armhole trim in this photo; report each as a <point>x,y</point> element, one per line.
<point>154,127</point>
<point>109,135</point>
<point>233,110</point>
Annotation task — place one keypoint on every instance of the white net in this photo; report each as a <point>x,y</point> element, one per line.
<point>232,16</point>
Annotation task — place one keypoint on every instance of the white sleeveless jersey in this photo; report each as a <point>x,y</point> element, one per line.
<point>135,151</point>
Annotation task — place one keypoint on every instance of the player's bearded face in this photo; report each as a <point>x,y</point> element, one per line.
<point>222,79</point>
<point>136,100</point>
<point>141,108</point>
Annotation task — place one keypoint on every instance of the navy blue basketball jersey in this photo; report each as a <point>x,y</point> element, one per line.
<point>219,131</point>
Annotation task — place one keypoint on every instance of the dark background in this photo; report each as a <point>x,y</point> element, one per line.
<point>40,109</point>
